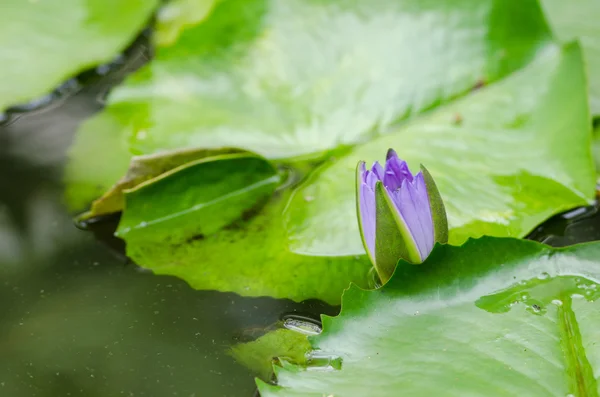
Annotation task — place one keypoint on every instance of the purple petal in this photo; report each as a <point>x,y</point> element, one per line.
<point>413,204</point>
<point>378,170</point>
<point>367,217</point>
<point>396,171</point>
<point>425,215</point>
<point>390,153</point>
<point>371,179</point>
<point>362,171</point>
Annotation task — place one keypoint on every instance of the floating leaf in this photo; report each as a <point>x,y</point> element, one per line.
<point>494,317</point>
<point>284,78</point>
<point>45,42</point>
<point>579,19</point>
<point>520,154</point>
<point>197,199</point>
<point>142,169</point>
<point>176,15</point>
<point>250,258</point>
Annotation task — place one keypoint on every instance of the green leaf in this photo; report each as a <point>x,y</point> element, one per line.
<point>288,78</point>
<point>579,19</point>
<point>250,258</point>
<point>45,42</point>
<point>176,15</point>
<point>596,148</point>
<point>281,344</point>
<point>495,317</point>
<point>520,153</point>
<point>91,171</point>
<point>142,169</point>
<point>393,239</point>
<point>197,199</point>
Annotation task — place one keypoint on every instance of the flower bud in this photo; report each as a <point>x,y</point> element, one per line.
<point>400,216</point>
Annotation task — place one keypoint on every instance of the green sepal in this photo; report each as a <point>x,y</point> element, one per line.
<point>393,240</point>
<point>438,211</point>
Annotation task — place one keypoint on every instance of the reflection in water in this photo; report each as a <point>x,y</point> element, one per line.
<point>572,227</point>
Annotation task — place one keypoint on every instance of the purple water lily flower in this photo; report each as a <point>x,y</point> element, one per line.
<point>401,215</point>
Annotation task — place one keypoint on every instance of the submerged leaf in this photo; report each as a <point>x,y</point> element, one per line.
<point>259,355</point>
<point>98,158</point>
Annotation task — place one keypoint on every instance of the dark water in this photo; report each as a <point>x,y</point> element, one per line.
<point>77,320</point>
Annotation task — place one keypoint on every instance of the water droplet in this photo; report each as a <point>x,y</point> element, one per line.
<point>302,325</point>
<point>143,224</point>
<point>536,309</point>
<point>557,302</point>
<point>321,361</point>
<point>543,276</point>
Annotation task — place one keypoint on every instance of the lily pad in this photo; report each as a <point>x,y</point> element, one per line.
<point>197,199</point>
<point>285,78</point>
<point>177,15</point>
<point>495,317</point>
<point>250,257</point>
<point>579,20</point>
<point>518,153</point>
<point>45,42</point>
<point>142,169</point>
